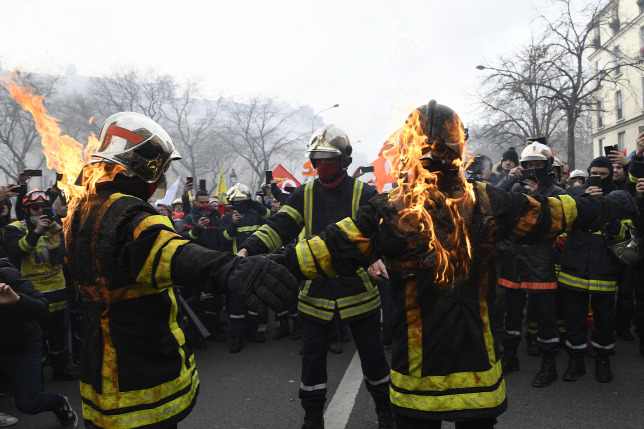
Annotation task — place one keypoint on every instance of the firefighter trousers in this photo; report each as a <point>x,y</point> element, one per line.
<point>603,306</point>
<point>315,342</point>
<point>543,304</point>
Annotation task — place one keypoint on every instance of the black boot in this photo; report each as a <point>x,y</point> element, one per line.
<point>532,346</point>
<point>385,415</point>
<point>313,421</point>
<point>67,372</point>
<point>603,373</point>
<point>548,373</point>
<point>335,348</point>
<point>576,368</point>
<point>237,345</point>
<point>509,361</point>
<point>283,331</point>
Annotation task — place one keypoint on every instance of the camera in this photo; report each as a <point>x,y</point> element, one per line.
<point>476,167</point>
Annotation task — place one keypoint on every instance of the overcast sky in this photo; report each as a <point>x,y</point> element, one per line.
<point>377,59</point>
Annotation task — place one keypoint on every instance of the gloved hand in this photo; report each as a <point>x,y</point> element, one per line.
<point>258,280</point>
<point>626,203</point>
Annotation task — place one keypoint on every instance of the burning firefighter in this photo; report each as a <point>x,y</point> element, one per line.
<point>436,233</point>
<point>137,370</point>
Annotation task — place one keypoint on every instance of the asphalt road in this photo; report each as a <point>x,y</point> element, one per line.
<point>258,387</point>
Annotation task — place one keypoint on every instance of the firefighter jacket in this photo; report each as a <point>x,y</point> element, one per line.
<point>125,258</point>
<point>39,258</point>
<point>19,321</point>
<point>444,362</point>
<point>208,237</point>
<point>530,266</point>
<point>236,234</point>
<point>309,210</point>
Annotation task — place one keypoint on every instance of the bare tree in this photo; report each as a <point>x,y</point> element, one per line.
<point>133,91</point>
<point>262,131</point>
<point>19,139</point>
<point>565,77</point>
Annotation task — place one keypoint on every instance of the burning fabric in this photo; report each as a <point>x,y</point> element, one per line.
<point>436,233</point>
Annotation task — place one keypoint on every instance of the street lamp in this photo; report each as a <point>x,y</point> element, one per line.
<point>316,115</point>
<point>233,178</point>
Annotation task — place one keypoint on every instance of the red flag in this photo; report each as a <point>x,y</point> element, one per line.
<point>283,178</point>
<point>309,171</point>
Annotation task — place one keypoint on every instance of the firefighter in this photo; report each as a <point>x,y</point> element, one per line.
<point>527,272</point>
<point>245,218</point>
<point>137,370</point>
<point>353,298</point>
<point>34,246</point>
<point>437,235</point>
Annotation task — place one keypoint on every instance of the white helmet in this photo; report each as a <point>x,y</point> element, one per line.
<point>329,142</point>
<point>239,192</point>
<point>578,173</point>
<point>537,152</point>
<point>137,143</point>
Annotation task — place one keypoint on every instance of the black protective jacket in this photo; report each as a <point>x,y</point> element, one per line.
<point>20,327</point>
<point>208,237</point>
<point>444,362</point>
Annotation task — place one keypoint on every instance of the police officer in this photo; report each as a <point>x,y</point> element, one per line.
<point>333,196</point>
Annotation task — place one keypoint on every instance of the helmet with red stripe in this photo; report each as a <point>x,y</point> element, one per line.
<point>137,143</point>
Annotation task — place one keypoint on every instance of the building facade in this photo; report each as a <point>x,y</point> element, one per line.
<point>618,37</point>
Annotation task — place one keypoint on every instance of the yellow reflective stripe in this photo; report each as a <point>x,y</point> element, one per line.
<point>307,284</point>
<point>227,236</point>
<point>322,255</point>
<point>25,246</point>
<point>313,311</point>
<point>57,306</point>
<point>364,276</point>
<point>251,228</point>
<point>485,317</point>
<point>449,402</point>
<point>623,229</point>
<point>569,210</point>
<point>266,214</point>
<point>355,202</point>
<point>167,243</point>
<point>308,210</point>
<point>586,284</point>
<point>297,217</point>
<point>317,302</point>
<point>135,419</point>
<point>269,237</point>
<point>354,299</point>
<point>305,259</point>
<point>414,329</point>
<point>192,235</point>
<point>632,178</point>
<point>151,221</point>
<point>353,233</point>
<point>371,302</point>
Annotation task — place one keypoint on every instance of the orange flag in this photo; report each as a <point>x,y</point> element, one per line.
<point>309,171</point>
<point>381,168</point>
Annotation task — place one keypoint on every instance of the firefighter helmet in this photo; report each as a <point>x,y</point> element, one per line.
<point>578,173</point>
<point>329,142</point>
<point>36,197</point>
<point>137,143</point>
<point>537,152</point>
<point>445,134</point>
<point>239,192</point>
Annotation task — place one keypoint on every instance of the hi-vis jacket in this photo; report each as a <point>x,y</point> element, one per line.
<point>309,210</point>
<point>236,234</point>
<point>39,260</point>
<point>125,258</point>
<point>444,362</point>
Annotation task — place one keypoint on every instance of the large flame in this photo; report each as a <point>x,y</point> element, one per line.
<point>439,216</point>
<point>63,153</point>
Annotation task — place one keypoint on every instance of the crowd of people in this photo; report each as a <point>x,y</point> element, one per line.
<point>554,260</point>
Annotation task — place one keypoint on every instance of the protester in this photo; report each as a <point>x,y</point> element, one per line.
<point>136,367</point>
<point>21,308</point>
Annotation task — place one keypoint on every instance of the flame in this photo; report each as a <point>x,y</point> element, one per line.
<point>63,153</point>
<point>437,218</point>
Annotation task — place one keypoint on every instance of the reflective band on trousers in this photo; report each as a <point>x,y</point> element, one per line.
<point>312,388</point>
